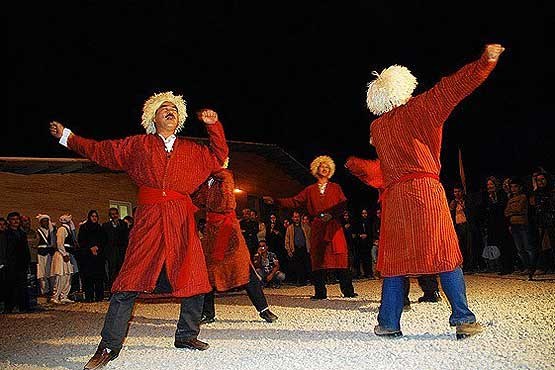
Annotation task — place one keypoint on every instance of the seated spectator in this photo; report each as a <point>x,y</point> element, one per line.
<point>267,266</point>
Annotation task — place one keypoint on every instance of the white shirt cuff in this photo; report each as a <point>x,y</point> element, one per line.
<point>65,136</point>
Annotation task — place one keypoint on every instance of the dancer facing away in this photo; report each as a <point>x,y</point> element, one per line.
<point>225,249</point>
<point>166,169</point>
<point>417,234</point>
<point>325,203</point>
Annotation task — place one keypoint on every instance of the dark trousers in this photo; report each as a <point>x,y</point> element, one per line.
<point>119,313</point>
<point>362,261</point>
<point>465,244</point>
<point>93,286</point>
<point>15,291</point>
<point>428,283</point>
<point>113,265</point>
<point>345,282</point>
<point>254,292</point>
<point>299,267</point>
<point>508,257</point>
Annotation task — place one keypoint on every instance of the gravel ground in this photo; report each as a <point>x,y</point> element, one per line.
<point>333,334</point>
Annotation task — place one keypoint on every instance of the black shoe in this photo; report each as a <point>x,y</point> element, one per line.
<point>101,357</point>
<point>191,343</point>
<point>352,295</point>
<point>207,319</point>
<point>434,297</point>
<point>268,315</point>
<point>318,297</point>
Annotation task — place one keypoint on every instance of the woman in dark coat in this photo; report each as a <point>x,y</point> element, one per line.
<point>91,242</point>
<point>496,225</point>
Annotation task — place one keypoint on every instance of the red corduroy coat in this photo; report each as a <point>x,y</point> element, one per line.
<point>417,234</point>
<point>328,247</point>
<point>225,249</point>
<point>163,233</point>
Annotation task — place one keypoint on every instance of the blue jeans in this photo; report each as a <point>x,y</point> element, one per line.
<point>525,247</point>
<point>453,286</point>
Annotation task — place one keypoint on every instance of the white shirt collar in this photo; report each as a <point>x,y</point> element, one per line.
<point>168,142</point>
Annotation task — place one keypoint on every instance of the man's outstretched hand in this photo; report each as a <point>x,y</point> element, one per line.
<point>56,129</point>
<point>493,52</point>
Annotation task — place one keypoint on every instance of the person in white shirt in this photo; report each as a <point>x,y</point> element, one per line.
<point>62,267</point>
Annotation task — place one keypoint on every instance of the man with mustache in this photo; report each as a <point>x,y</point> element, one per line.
<point>164,255</point>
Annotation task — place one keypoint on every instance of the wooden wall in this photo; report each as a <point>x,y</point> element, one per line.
<point>55,194</point>
<point>77,193</point>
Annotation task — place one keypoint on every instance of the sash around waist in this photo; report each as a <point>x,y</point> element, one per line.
<point>149,196</point>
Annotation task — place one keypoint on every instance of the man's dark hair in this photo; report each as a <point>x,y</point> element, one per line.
<point>516,181</point>
<point>13,214</point>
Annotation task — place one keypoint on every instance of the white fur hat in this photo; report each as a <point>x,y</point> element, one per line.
<point>319,160</point>
<point>390,89</point>
<point>152,105</point>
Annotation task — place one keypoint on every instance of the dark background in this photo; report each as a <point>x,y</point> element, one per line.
<point>287,73</point>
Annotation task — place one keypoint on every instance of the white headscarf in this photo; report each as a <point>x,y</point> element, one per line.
<point>41,216</point>
<point>66,219</point>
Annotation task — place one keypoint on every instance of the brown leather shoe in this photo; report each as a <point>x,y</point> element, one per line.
<point>191,343</point>
<point>389,333</point>
<point>101,358</point>
<point>466,330</point>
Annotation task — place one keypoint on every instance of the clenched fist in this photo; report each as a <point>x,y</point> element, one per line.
<point>56,129</point>
<point>493,52</point>
<point>208,116</point>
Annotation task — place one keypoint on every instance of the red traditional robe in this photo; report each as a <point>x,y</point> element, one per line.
<point>328,247</point>
<point>417,234</point>
<point>164,232</point>
<point>225,249</point>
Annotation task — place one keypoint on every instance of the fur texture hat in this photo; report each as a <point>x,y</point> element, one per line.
<point>319,160</point>
<point>152,105</point>
<point>390,89</point>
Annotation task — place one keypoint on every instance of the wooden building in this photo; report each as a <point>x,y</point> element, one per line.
<point>57,185</point>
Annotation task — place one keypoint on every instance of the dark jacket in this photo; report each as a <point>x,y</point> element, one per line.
<point>90,235</point>
<point>18,256</point>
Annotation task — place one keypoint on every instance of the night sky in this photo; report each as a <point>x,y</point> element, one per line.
<point>287,73</point>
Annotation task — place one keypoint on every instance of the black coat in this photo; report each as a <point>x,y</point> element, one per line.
<point>17,253</point>
<point>116,241</point>
<point>91,235</point>
<point>494,222</point>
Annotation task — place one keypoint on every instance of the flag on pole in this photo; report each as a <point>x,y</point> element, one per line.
<point>461,171</point>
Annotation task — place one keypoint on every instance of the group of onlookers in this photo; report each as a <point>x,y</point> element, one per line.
<point>59,260</point>
<point>509,227</point>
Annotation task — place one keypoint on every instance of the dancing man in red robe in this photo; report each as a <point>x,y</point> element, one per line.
<point>164,255</point>
<point>417,235</point>
<point>325,203</point>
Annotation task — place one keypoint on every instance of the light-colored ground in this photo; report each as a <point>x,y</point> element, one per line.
<point>332,334</point>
